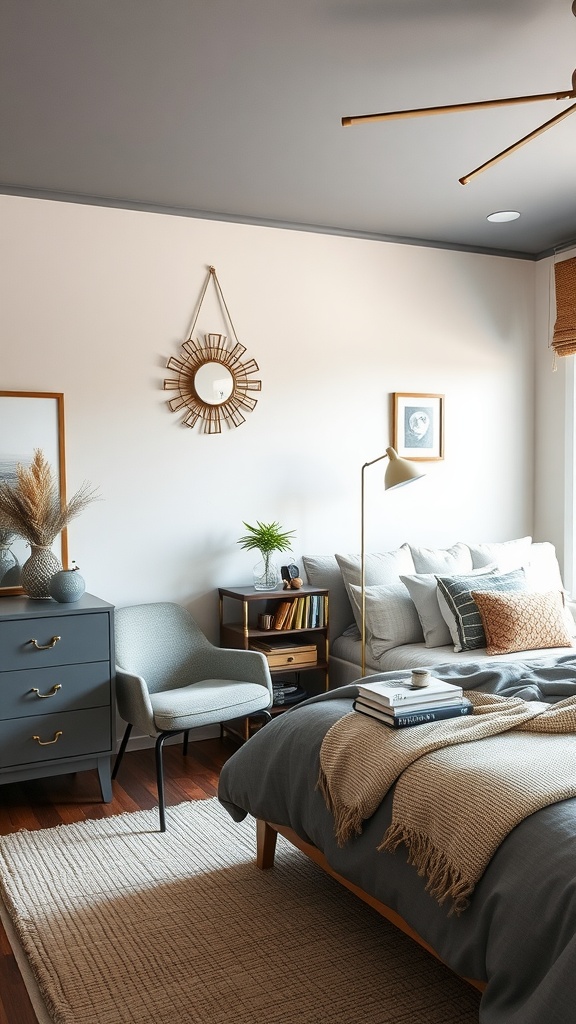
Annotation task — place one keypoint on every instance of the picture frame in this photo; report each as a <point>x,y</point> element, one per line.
<point>30,420</point>
<point>418,426</point>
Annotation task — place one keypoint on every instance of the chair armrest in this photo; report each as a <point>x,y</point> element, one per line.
<point>133,702</point>
<point>235,663</point>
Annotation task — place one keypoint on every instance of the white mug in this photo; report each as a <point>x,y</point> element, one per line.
<point>420,677</point>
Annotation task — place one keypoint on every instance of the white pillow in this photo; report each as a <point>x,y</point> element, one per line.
<point>543,574</point>
<point>445,561</point>
<point>391,617</point>
<point>423,591</point>
<point>381,569</point>
<point>510,554</point>
<point>542,568</point>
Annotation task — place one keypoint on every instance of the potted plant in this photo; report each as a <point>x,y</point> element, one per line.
<point>32,509</point>
<point>266,538</point>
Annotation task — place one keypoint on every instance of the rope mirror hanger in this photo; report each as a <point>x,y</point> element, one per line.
<point>212,380</point>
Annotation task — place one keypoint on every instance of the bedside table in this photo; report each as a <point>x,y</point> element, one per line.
<point>57,710</point>
<point>299,650</point>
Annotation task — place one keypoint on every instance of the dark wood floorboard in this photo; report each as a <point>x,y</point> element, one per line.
<point>64,799</point>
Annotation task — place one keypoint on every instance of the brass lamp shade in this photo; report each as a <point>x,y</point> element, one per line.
<point>398,472</point>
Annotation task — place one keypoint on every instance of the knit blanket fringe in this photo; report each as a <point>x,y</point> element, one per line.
<point>348,820</point>
<point>445,880</point>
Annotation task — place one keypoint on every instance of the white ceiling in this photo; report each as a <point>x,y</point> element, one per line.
<point>232,109</point>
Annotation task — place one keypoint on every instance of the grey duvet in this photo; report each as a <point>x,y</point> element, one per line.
<point>519,932</point>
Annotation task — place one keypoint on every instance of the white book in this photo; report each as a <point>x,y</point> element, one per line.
<point>395,692</point>
<point>438,700</point>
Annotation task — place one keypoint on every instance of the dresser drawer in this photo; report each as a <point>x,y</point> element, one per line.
<point>63,688</point>
<point>82,638</point>
<point>82,732</point>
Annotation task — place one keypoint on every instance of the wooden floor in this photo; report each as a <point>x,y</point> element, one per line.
<point>69,798</point>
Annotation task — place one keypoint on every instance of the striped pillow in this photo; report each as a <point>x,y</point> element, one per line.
<point>460,610</point>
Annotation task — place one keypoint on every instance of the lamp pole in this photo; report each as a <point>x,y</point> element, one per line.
<point>399,472</point>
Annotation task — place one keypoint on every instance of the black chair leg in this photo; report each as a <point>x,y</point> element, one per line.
<point>160,778</point>
<point>121,750</point>
<point>185,743</point>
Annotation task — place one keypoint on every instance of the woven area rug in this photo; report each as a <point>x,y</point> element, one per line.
<point>122,924</point>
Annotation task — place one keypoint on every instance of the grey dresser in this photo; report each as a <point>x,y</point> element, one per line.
<point>57,709</point>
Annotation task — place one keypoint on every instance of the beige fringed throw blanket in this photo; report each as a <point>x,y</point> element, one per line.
<point>455,800</point>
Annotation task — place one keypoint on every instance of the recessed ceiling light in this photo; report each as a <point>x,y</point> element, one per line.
<point>503,215</point>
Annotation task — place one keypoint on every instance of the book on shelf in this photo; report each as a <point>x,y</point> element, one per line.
<point>402,718</point>
<point>317,615</point>
<point>291,616</point>
<point>394,692</point>
<point>279,643</point>
<point>283,610</point>
<point>288,695</point>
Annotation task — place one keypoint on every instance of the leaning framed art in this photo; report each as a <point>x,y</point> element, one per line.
<point>29,420</point>
<point>418,426</point>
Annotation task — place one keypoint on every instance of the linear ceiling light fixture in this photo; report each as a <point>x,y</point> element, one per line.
<point>450,108</point>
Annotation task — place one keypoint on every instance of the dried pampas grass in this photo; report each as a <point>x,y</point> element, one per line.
<point>32,508</point>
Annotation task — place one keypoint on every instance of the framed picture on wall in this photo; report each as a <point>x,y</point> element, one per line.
<point>418,426</point>
<point>29,420</point>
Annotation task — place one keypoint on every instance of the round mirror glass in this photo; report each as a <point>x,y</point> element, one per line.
<point>213,383</point>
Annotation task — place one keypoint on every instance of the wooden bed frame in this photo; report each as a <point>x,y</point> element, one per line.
<point>266,835</point>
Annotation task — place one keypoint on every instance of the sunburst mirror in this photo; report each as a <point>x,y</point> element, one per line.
<point>213,382</point>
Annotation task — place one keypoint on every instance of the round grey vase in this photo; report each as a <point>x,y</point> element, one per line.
<point>66,586</point>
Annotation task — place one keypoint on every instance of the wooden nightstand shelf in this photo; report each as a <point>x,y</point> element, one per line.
<point>308,668</point>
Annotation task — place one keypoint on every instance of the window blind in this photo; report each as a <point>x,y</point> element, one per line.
<point>564,337</point>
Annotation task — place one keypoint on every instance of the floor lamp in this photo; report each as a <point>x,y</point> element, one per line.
<point>399,471</point>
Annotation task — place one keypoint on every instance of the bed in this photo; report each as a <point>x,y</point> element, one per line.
<point>516,941</point>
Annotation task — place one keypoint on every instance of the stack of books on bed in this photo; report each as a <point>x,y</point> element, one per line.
<point>398,704</point>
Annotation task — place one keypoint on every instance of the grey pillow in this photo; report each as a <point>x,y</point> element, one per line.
<point>461,612</point>
<point>391,618</point>
<point>423,590</point>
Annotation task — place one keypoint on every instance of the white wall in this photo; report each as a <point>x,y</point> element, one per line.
<point>94,301</point>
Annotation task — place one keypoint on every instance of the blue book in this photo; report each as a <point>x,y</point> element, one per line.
<point>399,719</point>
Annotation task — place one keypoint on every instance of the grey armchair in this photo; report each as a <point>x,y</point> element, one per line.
<point>170,679</point>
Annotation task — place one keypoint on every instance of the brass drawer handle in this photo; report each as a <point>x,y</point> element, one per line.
<point>47,743</point>
<point>53,691</point>
<point>45,647</point>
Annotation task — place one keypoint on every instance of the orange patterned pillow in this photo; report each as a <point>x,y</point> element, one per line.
<point>522,621</point>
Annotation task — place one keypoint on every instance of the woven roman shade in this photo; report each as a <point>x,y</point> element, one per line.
<point>564,337</point>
